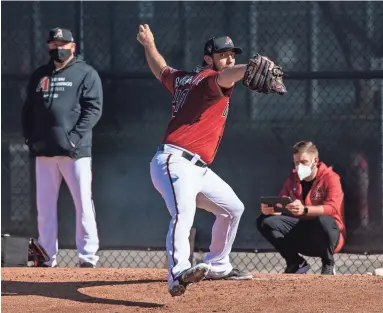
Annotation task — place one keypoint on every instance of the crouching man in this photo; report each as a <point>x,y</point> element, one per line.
<point>312,225</point>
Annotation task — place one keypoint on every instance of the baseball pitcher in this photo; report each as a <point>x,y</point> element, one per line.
<point>180,168</point>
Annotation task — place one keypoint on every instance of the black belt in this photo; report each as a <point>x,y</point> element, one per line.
<point>186,155</point>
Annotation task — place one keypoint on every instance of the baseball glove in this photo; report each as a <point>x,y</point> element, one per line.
<point>259,78</point>
<point>36,254</point>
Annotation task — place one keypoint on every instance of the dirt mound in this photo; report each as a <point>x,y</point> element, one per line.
<point>65,290</point>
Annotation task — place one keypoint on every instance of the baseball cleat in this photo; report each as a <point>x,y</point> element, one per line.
<point>177,290</point>
<point>87,265</point>
<point>192,275</point>
<point>234,274</point>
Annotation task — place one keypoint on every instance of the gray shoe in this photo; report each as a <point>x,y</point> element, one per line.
<point>192,275</point>
<point>235,274</point>
<point>301,267</point>
<point>87,265</point>
<point>328,269</point>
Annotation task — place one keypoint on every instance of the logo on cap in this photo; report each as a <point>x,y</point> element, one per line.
<point>228,41</point>
<point>59,34</point>
<point>209,49</point>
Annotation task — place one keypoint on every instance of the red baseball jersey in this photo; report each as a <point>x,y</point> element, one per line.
<point>199,110</point>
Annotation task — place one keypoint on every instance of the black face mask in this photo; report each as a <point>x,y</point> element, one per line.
<point>60,55</point>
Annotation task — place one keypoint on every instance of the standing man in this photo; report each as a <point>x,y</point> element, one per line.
<point>63,104</point>
<point>179,170</point>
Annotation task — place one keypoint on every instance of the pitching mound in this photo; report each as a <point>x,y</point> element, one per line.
<point>68,290</point>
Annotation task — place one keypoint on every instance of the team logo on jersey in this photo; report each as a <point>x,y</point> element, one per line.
<point>318,194</point>
<point>43,84</point>
<point>228,41</point>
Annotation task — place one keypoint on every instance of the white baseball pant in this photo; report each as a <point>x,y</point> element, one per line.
<point>185,186</point>
<point>77,174</point>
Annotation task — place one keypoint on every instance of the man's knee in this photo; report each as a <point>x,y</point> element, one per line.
<point>328,223</point>
<point>237,209</point>
<point>233,211</point>
<point>267,222</point>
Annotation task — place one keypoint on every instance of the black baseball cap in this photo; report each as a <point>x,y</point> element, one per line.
<point>220,44</point>
<point>60,34</point>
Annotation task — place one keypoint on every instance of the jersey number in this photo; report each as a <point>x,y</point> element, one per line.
<point>178,100</point>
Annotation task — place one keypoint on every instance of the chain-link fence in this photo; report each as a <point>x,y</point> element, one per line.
<point>332,54</point>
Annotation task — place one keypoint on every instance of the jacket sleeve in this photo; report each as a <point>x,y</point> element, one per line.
<point>286,187</point>
<point>334,197</point>
<point>91,102</point>
<point>26,119</point>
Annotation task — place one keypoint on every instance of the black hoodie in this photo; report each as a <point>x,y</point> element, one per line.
<point>61,109</point>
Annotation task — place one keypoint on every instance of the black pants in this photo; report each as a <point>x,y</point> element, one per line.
<point>317,237</point>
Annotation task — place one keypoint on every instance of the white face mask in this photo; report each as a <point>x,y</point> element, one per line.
<point>304,171</point>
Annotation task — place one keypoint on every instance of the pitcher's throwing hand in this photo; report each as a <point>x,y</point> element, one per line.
<point>145,35</point>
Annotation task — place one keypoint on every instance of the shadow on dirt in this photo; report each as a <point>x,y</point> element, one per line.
<point>70,291</point>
